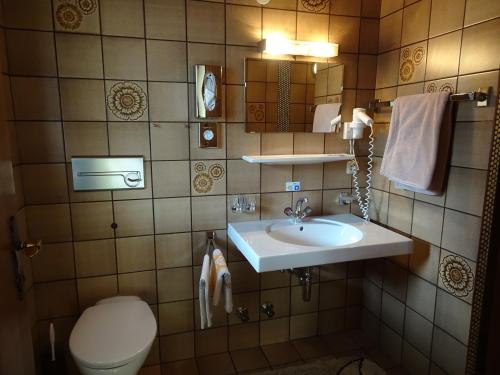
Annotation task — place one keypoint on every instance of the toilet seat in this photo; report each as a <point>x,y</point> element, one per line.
<point>113,333</point>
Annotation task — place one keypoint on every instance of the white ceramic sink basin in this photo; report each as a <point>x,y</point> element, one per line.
<point>316,232</point>
<point>271,245</point>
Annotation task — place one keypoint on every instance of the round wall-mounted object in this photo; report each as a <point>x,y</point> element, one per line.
<point>263,2</point>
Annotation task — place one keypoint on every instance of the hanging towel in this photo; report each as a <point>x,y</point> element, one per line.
<point>417,149</point>
<point>323,115</point>
<point>204,294</point>
<point>221,281</point>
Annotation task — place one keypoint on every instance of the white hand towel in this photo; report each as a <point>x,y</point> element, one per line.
<point>204,294</point>
<point>323,116</point>
<point>221,279</point>
<point>417,149</point>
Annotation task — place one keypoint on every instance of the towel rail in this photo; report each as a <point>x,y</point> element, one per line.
<point>479,96</point>
<point>210,242</point>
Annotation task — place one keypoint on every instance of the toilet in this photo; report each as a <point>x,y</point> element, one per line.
<point>113,337</point>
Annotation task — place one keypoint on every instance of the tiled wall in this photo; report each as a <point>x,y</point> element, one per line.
<point>419,307</point>
<point>17,317</point>
<point>69,63</point>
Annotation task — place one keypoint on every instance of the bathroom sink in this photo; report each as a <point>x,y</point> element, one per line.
<point>315,232</point>
<point>271,245</point>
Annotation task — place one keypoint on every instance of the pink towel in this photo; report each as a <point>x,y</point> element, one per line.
<point>417,149</point>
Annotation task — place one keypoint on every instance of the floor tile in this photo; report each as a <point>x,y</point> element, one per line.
<point>249,359</point>
<point>281,354</point>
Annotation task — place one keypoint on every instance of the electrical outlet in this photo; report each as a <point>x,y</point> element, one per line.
<point>292,186</point>
<point>351,167</point>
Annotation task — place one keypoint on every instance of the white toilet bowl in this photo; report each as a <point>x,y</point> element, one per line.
<point>113,337</point>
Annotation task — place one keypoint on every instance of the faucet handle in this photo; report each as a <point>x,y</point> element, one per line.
<point>288,211</point>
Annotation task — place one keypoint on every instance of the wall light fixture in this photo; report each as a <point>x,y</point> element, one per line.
<point>281,46</point>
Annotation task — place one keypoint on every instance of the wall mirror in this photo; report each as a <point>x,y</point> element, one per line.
<point>284,95</point>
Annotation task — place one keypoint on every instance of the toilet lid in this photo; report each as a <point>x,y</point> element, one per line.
<point>112,334</point>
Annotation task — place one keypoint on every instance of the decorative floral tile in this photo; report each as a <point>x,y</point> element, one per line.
<point>256,112</point>
<point>448,84</point>
<point>315,6</point>
<point>456,275</point>
<point>126,101</point>
<point>72,15</point>
<point>208,177</point>
<point>412,63</point>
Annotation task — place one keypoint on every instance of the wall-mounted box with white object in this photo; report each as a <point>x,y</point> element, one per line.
<point>107,173</point>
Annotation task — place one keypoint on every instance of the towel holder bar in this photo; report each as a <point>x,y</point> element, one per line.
<point>479,96</point>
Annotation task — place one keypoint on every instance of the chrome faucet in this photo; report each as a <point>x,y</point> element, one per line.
<point>299,213</point>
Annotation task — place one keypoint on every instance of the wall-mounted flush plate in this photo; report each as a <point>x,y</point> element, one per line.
<point>209,135</point>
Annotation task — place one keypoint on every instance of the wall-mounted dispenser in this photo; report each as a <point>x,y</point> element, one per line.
<point>208,91</point>
<point>107,173</point>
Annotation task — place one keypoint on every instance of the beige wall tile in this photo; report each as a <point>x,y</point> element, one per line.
<point>124,58</point>
<point>345,32</point>
<point>274,177</point>
<point>389,6</point>
<point>39,17</point>
<point>481,10</point>
<point>387,69</point>
<point>453,315</point>
<point>92,220</point>
<point>276,143</point>
<point>134,217</point>
<point>346,7</point>
<point>466,189</point>
<point>205,29</point>
<point>35,98</point>
<point>242,177</point>
<point>177,347</point>
<point>79,56</point>
<point>278,23</point>
<point>82,100</point>
<point>427,221</point>
<point>400,213</point>
<point>390,32</point>
<point>458,240</point>
<point>209,212</point>
<point>172,215</point>
<point>421,297</point>
<point>50,223</point>
<point>370,8</point>
<point>313,27</point>
<point>424,260</point>
<point>141,284</point>
<point>167,101</point>
<point>166,60</point>
<point>56,299</point>
<point>31,53</point>
<point>243,25</point>
<point>448,352</point>
<point>274,331</point>
<point>135,254</point>
<point>171,179</point>
<point>442,56</point>
<point>310,176</point>
<point>446,16</point>
<point>85,139</point>
<point>272,205</point>
<point>173,250</point>
<point>479,50</point>
<point>303,325</point>
<point>175,284</point>
<point>55,262</point>
<point>169,141</point>
<point>208,342</point>
<point>122,17</point>
<point>418,331</point>
<point>471,142</point>
<point>93,289</point>
<point>175,317</point>
<point>129,139</point>
<point>165,20</point>
<point>416,22</point>
<point>243,336</point>
<point>40,142</point>
<point>95,258</point>
<point>44,183</point>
